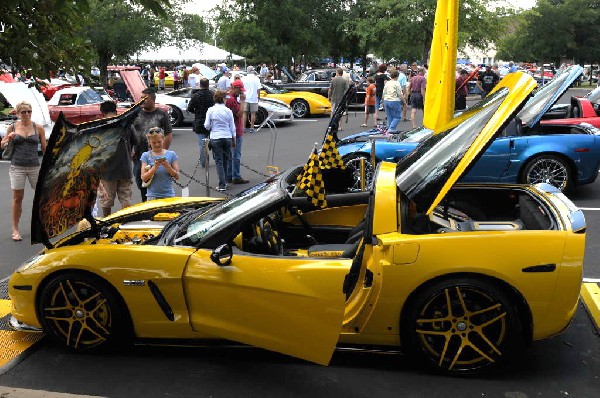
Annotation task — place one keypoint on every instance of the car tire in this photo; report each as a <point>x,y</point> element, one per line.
<point>352,162</point>
<point>84,313</point>
<point>176,116</point>
<point>481,315</point>
<point>551,169</point>
<point>261,115</point>
<point>300,108</point>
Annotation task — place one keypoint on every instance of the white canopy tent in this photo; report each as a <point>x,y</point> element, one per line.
<point>199,52</point>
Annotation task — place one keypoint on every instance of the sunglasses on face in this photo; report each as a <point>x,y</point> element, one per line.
<point>24,112</point>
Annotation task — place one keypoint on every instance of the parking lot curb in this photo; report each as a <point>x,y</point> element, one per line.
<point>590,294</point>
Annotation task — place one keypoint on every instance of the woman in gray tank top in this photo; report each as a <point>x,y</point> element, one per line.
<point>24,164</point>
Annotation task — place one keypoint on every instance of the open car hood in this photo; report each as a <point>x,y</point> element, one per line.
<point>547,95</point>
<point>426,174</point>
<point>18,91</point>
<point>74,160</point>
<point>594,95</point>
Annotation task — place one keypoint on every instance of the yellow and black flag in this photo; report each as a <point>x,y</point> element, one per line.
<point>311,181</point>
<point>330,157</point>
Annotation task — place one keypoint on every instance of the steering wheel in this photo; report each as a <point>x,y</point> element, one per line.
<point>270,236</point>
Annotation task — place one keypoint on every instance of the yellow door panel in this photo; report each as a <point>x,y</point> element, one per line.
<point>290,305</point>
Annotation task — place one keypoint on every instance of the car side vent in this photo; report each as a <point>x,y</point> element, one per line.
<point>161,300</point>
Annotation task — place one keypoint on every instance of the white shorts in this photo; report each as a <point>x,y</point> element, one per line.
<point>18,175</point>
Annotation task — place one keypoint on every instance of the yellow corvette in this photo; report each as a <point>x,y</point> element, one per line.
<point>303,103</point>
<point>461,277</point>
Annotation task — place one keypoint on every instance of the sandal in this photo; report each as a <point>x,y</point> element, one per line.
<point>16,237</point>
<point>363,125</point>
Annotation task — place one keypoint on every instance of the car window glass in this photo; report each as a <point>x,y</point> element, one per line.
<point>67,99</point>
<point>228,213</point>
<point>88,97</point>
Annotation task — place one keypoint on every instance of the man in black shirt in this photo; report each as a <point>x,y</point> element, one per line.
<point>487,81</point>
<point>199,104</point>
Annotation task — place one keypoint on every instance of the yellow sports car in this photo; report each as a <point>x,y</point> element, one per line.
<point>303,103</point>
<point>461,277</point>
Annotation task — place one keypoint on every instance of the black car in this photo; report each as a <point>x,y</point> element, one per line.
<point>318,80</point>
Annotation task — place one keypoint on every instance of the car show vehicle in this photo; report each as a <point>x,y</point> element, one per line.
<point>318,80</point>
<point>178,101</point>
<point>562,154</point>
<point>460,276</point>
<point>302,103</point>
<point>78,104</point>
<point>15,92</point>
<point>580,110</point>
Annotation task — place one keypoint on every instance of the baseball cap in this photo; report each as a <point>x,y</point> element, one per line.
<point>225,69</point>
<point>238,83</point>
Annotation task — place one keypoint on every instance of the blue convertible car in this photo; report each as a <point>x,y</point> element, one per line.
<point>526,152</point>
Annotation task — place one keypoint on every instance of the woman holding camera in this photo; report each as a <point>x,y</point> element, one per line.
<point>159,166</point>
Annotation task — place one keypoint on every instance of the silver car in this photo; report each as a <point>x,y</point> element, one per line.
<point>178,101</point>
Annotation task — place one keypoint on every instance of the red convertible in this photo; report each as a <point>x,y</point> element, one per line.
<point>580,110</point>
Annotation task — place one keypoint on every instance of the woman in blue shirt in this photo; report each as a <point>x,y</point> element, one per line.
<point>159,166</point>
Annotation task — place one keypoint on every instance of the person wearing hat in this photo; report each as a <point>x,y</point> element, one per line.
<point>224,83</point>
<point>236,101</point>
<point>487,81</point>
<point>252,85</point>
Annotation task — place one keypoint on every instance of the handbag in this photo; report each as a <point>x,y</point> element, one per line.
<point>10,147</point>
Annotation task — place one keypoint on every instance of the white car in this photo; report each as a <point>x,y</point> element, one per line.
<point>17,92</point>
<point>178,101</point>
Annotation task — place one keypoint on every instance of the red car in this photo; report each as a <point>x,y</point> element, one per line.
<point>580,110</point>
<point>49,89</point>
<point>78,104</point>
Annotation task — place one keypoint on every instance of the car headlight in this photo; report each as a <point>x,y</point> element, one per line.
<point>30,263</point>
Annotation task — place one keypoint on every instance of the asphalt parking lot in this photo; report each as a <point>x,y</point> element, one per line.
<point>564,366</point>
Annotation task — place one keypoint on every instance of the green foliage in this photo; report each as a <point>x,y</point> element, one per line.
<point>553,30</point>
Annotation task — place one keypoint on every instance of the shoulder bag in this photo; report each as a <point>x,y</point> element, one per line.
<point>10,147</point>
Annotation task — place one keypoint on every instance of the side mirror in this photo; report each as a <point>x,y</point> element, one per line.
<point>222,255</point>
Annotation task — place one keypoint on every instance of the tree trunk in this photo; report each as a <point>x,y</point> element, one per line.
<point>103,61</point>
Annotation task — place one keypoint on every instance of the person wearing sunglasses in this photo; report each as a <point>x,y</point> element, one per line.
<point>25,135</point>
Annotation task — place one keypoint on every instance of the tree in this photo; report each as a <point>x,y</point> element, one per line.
<point>117,30</point>
<point>44,35</point>
<point>572,33</point>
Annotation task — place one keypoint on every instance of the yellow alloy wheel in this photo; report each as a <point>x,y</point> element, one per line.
<point>82,312</point>
<point>463,326</point>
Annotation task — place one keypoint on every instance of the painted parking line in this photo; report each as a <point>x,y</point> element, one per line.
<point>10,392</point>
<point>14,346</point>
<point>589,208</point>
<point>590,295</point>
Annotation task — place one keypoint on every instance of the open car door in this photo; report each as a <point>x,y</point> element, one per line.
<point>292,305</point>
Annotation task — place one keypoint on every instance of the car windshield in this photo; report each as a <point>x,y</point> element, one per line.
<point>594,95</point>
<point>228,213</point>
<point>273,90</point>
<point>89,96</point>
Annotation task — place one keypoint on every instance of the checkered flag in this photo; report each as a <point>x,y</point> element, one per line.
<point>329,157</point>
<point>311,181</point>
